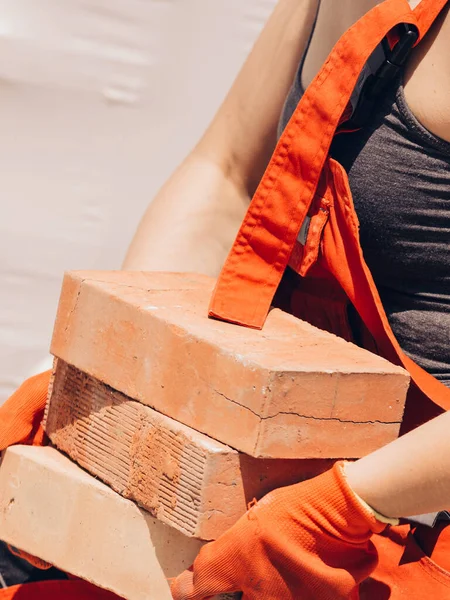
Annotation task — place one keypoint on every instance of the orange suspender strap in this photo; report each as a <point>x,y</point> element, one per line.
<point>426,12</point>
<point>349,269</point>
<point>258,259</point>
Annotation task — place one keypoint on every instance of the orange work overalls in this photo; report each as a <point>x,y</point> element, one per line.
<point>298,248</point>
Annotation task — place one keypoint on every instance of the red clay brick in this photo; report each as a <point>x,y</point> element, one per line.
<point>288,391</point>
<point>184,478</point>
<point>52,509</point>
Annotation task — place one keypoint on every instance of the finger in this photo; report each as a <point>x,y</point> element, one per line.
<point>184,587</point>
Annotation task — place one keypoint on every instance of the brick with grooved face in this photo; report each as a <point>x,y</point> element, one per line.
<point>184,478</point>
<point>288,391</point>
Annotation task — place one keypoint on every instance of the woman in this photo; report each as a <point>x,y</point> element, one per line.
<point>320,539</point>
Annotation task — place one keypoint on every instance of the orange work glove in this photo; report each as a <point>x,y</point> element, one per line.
<point>22,413</point>
<point>309,541</point>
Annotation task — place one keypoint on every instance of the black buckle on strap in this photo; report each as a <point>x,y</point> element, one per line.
<point>382,67</point>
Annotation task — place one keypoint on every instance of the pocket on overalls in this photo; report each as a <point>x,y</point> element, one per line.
<point>307,248</point>
<point>404,571</point>
<point>310,292</point>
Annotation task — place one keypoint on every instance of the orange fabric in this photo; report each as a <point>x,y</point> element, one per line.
<point>22,413</point>
<point>435,543</point>
<point>267,236</point>
<point>56,590</point>
<point>341,263</point>
<point>405,571</point>
<point>309,541</point>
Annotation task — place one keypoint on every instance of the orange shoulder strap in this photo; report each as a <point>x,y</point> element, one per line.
<point>258,259</point>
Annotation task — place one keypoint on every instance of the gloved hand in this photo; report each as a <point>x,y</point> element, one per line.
<point>309,541</point>
<point>22,413</point>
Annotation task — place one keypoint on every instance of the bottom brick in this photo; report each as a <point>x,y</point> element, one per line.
<point>52,509</point>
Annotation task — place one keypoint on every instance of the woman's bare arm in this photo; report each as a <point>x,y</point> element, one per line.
<point>409,476</point>
<point>191,223</point>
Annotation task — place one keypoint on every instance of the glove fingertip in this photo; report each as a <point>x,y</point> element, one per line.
<point>182,587</point>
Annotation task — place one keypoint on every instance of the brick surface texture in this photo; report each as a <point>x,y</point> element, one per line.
<point>49,507</point>
<point>184,478</point>
<point>288,391</point>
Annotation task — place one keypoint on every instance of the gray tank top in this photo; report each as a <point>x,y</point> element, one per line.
<point>399,175</point>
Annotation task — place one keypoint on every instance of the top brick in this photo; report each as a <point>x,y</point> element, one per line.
<point>288,391</point>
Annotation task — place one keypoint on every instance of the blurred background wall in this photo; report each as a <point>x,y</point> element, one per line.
<point>99,101</point>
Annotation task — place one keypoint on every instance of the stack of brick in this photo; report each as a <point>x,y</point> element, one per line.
<point>192,418</point>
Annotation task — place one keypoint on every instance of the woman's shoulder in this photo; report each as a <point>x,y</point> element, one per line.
<point>427,79</point>
<point>331,23</point>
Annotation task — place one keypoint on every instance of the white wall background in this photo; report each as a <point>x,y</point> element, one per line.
<point>99,101</point>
